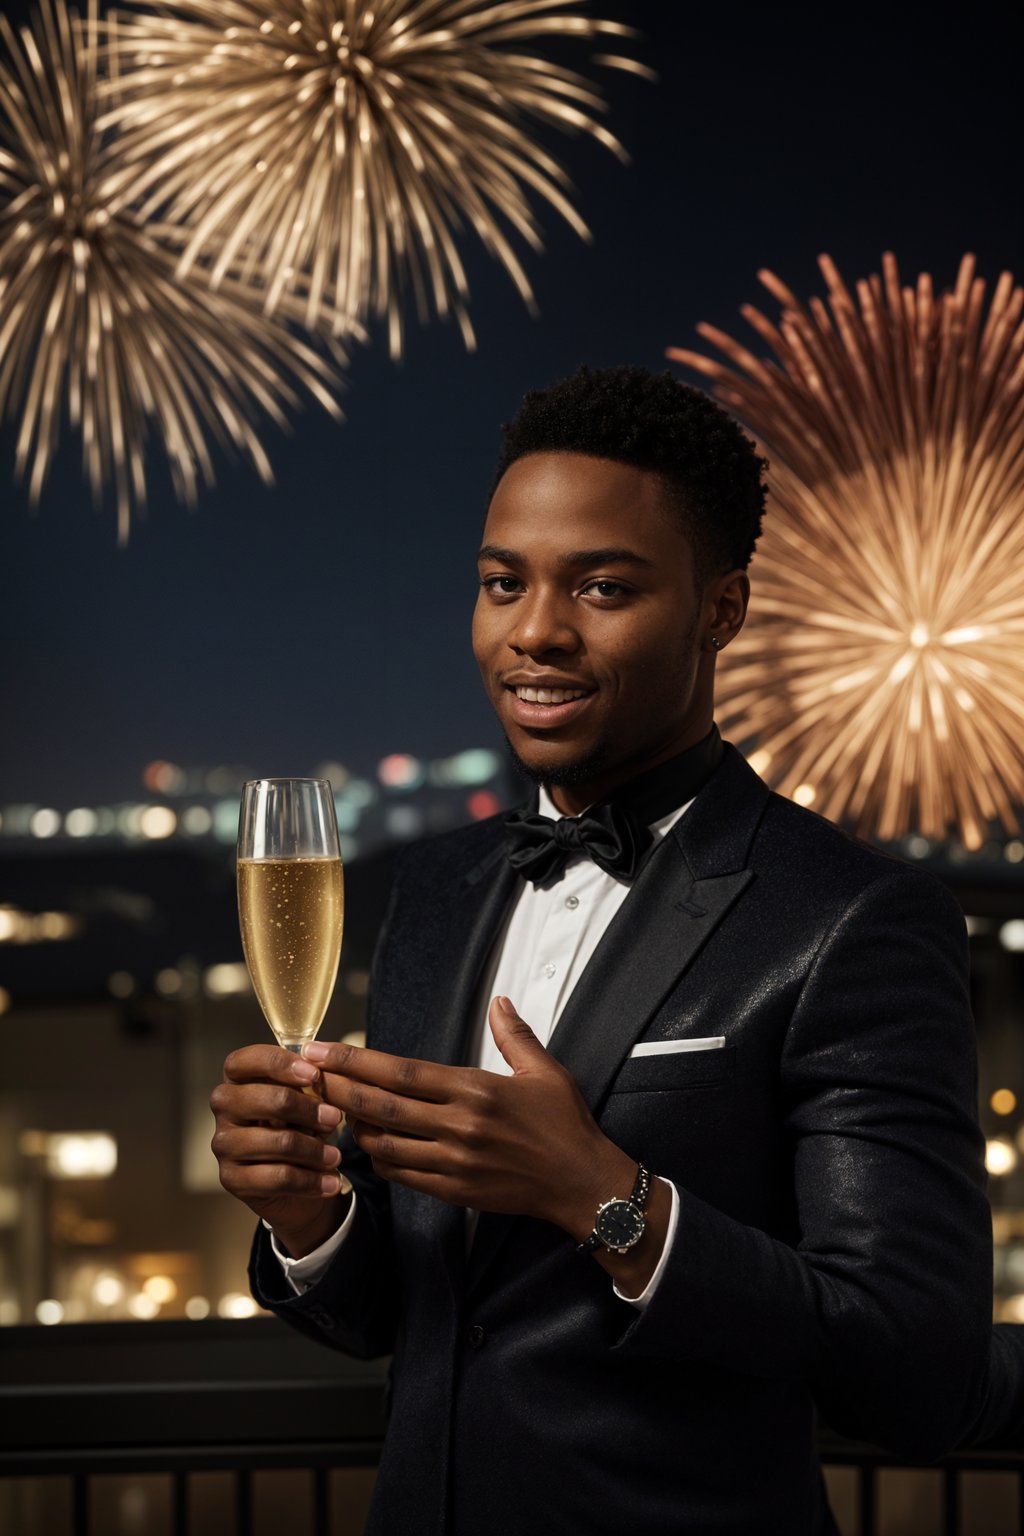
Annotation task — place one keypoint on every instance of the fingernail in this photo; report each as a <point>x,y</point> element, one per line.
<point>305,1071</point>
<point>332,1157</point>
<point>507,1008</point>
<point>330,1183</point>
<point>314,1050</point>
<point>328,1115</point>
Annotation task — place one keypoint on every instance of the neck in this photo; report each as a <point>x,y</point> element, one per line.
<point>572,799</point>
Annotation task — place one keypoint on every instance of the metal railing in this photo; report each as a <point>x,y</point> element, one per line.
<point>96,1400</point>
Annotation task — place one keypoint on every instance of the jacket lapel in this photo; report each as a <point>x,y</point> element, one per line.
<point>679,898</point>
<point>478,903</point>
<point>477,906</point>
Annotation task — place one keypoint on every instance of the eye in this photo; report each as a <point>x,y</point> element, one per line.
<point>607,589</point>
<point>501,585</point>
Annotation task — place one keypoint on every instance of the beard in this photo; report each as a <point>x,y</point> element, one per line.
<point>585,770</point>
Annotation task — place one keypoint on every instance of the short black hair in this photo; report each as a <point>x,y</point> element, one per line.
<point>711,469</point>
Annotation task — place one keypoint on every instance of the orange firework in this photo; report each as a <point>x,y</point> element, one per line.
<point>881,675</point>
<point>349,142</point>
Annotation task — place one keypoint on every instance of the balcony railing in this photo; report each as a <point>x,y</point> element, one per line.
<point>90,1401</point>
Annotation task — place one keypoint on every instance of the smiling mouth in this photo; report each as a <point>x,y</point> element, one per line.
<point>547,695</point>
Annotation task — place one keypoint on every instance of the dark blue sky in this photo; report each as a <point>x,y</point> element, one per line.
<point>328,617</point>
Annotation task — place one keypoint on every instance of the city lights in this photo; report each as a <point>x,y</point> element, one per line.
<point>81,822</point>
<point>196,821</point>
<point>403,821</point>
<point>483,803</point>
<point>49,1312</point>
<point>160,1288</point>
<point>157,821</point>
<point>1000,1157</point>
<point>121,984</point>
<point>234,1304</point>
<point>1011,935</point>
<point>143,1307</point>
<point>477,765</point>
<point>400,771</point>
<point>45,823</point>
<point>81,1155</point>
<point>108,1289</point>
<point>196,1308</point>
<point>1004,1101</point>
<point>168,982</point>
<point>163,778</point>
<point>20,927</point>
<point>230,979</point>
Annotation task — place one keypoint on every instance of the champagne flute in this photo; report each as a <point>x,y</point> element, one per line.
<point>291,902</point>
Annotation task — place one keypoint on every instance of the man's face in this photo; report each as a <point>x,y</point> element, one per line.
<point>589,630</point>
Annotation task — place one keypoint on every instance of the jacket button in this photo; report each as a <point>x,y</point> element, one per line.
<point>322,1318</point>
<point>475,1336</point>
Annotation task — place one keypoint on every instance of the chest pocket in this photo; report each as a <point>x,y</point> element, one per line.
<point>675,1069</point>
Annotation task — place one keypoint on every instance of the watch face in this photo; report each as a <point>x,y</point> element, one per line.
<point>619,1224</point>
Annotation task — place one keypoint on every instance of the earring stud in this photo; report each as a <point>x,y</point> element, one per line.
<point>716,644</point>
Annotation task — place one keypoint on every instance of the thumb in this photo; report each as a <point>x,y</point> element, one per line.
<point>513,1036</point>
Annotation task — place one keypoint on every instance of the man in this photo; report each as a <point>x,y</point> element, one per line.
<point>666,1133</point>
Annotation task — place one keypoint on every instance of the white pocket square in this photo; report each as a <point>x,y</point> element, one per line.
<point>669,1047</point>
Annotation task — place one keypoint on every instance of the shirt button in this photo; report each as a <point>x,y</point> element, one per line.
<point>549,971</point>
<point>572,902</point>
<point>475,1336</point>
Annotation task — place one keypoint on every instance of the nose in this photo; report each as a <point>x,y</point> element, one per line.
<point>543,625</point>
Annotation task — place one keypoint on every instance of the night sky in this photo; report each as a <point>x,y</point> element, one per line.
<point>327,618</point>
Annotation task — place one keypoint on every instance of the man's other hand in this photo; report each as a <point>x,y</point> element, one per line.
<point>526,1144</point>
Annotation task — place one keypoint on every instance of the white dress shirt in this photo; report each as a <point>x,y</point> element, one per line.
<point>548,936</point>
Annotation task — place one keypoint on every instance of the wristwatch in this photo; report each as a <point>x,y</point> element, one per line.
<point>620,1223</point>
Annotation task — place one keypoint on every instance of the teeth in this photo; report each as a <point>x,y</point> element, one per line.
<point>549,695</point>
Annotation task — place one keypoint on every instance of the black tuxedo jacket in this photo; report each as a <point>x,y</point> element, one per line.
<point>834,1243</point>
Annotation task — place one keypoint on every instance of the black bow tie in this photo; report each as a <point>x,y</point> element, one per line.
<point>615,833</point>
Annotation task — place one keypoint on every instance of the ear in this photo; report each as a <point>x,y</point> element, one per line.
<point>726,598</point>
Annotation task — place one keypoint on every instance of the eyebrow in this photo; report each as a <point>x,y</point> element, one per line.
<point>572,559</point>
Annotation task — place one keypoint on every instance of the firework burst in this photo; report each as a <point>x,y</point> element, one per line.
<point>881,675</point>
<point>345,143</point>
<point>94,324</point>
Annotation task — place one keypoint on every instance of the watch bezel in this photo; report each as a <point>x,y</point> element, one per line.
<point>637,1218</point>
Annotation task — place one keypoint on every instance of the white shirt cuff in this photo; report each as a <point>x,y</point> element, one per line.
<point>304,1272</point>
<point>641,1301</point>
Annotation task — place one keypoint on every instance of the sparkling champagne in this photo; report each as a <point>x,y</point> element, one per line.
<point>292,911</point>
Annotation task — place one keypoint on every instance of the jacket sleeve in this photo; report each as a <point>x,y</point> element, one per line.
<point>883,1304</point>
<point>355,1305</point>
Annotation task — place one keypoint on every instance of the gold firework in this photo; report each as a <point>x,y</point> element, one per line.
<point>881,675</point>
<point>347,142</point>
<point>93,322</point>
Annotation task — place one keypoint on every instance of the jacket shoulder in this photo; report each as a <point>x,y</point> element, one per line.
<point>801,846</point>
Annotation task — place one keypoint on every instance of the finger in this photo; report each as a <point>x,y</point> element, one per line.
<point>265,1180</point>
<point>256,1144</point>
<point>402,1151</point>
<point>361,1101</point>
<point>250,1103</point>
<point>513,1036</point>
<point>263,1063</point>
<point>399,1074</point>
